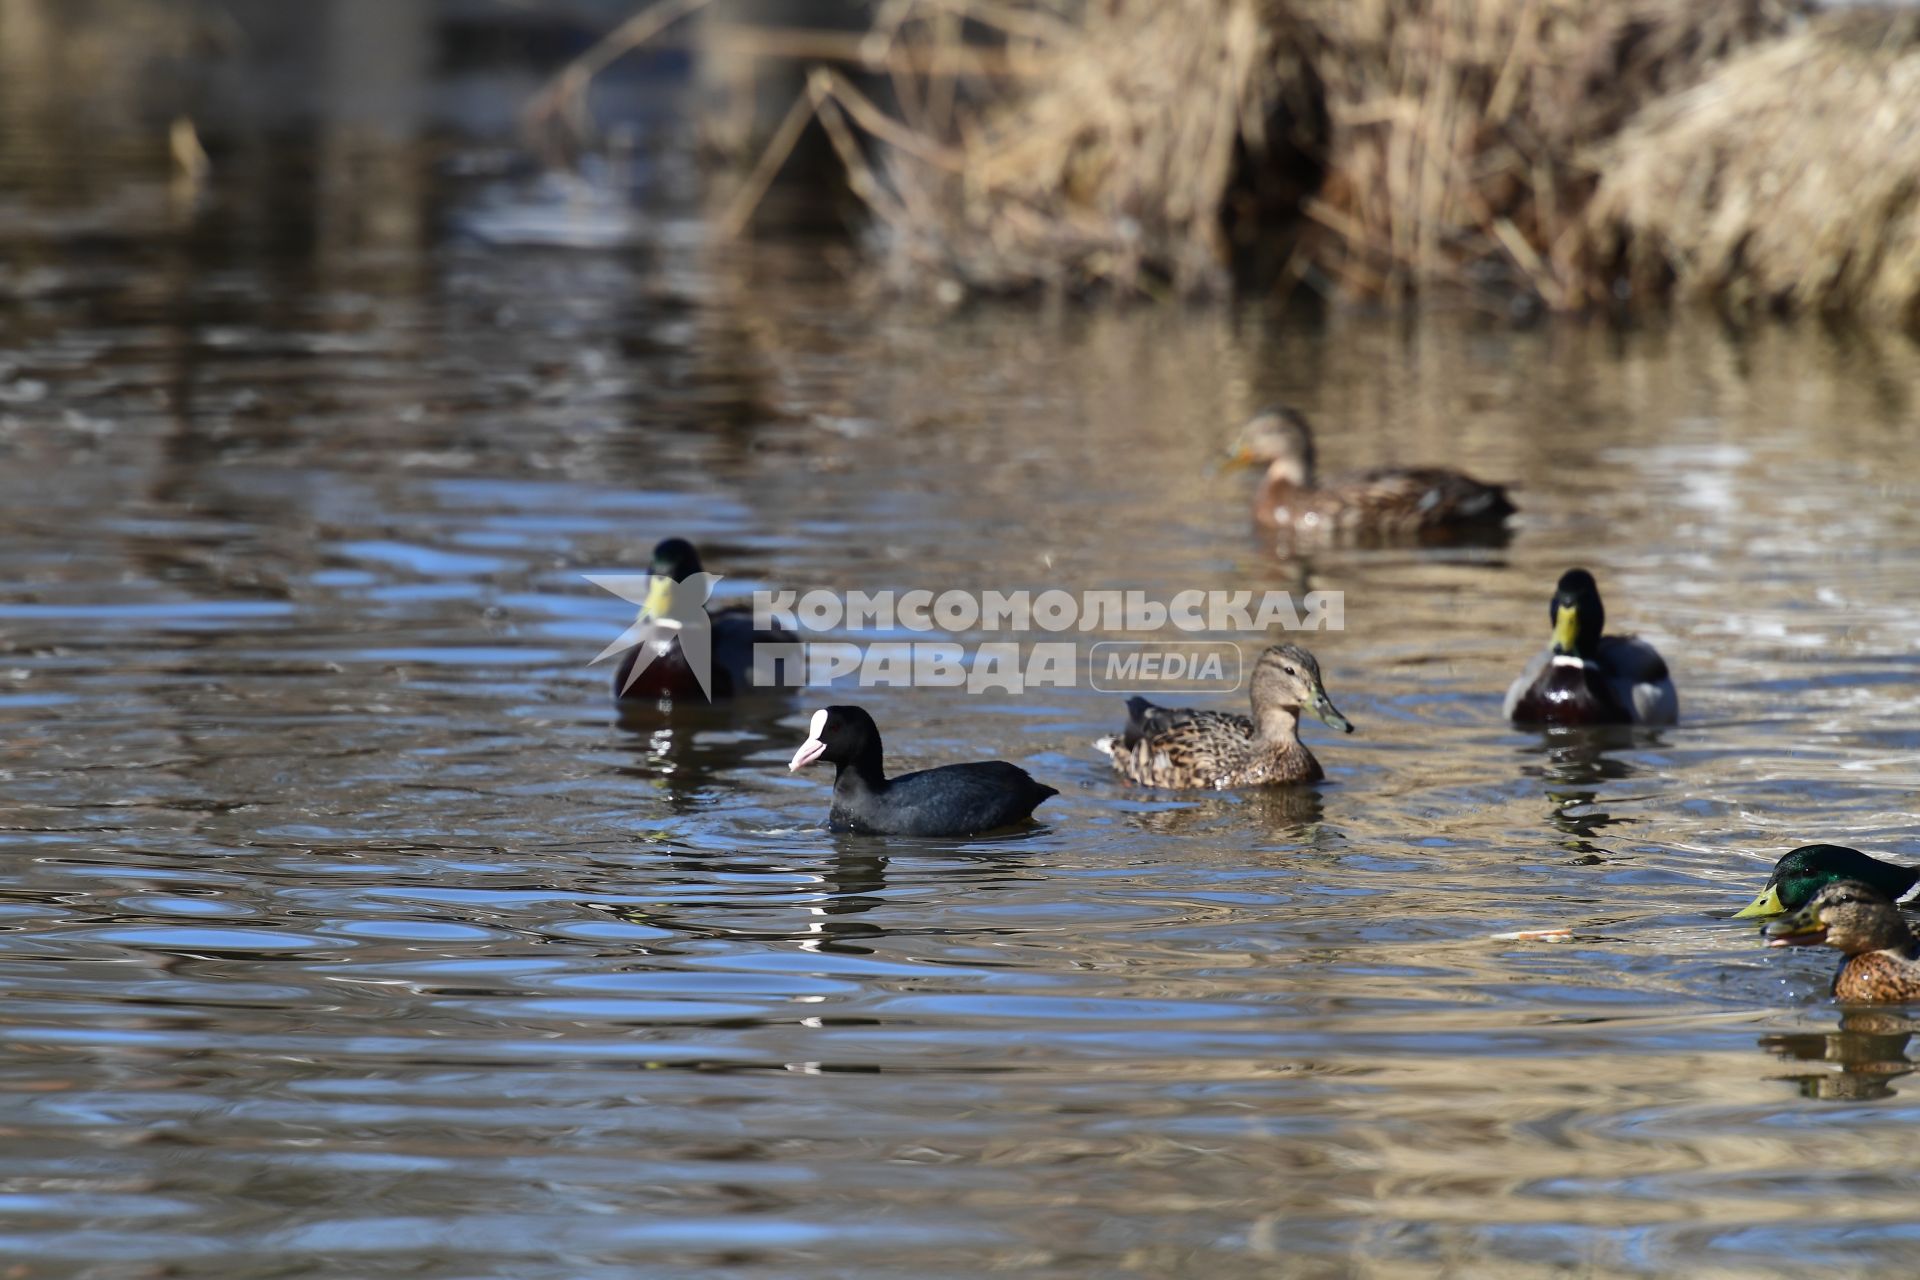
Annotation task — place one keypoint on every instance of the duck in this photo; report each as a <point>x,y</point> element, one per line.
<point>1218,750</point>
<point>950,800</point>
<point>1882,964</point>
<point>1380,502</point>
<point>1802,873</point>
<point>1585,677</point>
<point>671,615</point>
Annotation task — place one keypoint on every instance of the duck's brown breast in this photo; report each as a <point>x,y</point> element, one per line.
<point>1878,977</point>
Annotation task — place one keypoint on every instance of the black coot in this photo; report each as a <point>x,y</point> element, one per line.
<point>952,800</point>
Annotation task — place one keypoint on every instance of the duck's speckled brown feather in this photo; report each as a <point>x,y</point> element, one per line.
<point>1206,750</point>
<point>1383,501</point>
<point>1879,977</point>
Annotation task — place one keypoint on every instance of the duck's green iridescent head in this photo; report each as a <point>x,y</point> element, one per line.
<point>1800,875</point>
<point>1579,618</point>
<point>674,560</point>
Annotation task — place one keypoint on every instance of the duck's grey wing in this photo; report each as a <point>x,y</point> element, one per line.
<point>1535,668</point>
<point>1638,676</point>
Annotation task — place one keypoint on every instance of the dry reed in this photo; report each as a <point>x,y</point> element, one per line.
<point>1562,150</point>
<point>1111,167</point>
<point>1460,127</point>
<point>1450,134</point>
<point>1788,181</point>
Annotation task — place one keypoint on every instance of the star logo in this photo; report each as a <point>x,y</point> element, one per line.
<point>669,611</point>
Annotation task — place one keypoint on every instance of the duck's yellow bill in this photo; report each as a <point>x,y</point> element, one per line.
<point>1566,628</point>
<point>1767,904</point>
<point>659,596</point>
<point>1236,460</point>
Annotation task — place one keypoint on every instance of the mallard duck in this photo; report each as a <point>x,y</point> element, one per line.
<point>1585,677</point>
<point>1812,867</point>
<point>1882,956</point>
<point>1377,502</point>
<point>951,800</point>
<point>1217,750</point>
<point>672,617</point>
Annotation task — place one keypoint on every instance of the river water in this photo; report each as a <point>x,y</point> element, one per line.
<point>344,932</point>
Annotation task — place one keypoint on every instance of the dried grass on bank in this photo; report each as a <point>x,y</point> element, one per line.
<point>1163,145</point>
<point>1027,143</point>
<point>1789,181</point>
<point>1459,127</point>
<point>1112,167</point>
<point>1452,135</point>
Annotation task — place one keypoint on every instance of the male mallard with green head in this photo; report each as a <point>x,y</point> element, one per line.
<point>1882,964</point>
<point>1380,502</point>
<point>1587,677</point>
<point>730,634</point>
<point>1801,874</point>
<point>1217,750</point>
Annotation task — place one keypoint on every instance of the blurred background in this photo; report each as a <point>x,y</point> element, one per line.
<point>346,931</point>
<point>1578,155</point>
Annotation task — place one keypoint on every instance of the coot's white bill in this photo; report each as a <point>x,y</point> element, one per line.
<point>813,747</point>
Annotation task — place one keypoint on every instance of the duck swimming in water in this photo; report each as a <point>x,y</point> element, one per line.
<point>1380,502</point>
<point>1585,677</point>
<point>1801,874</point>
<point>1882,964</point>
<point>1217,750</point>
<point>951,800</point>
<point>672,619</point>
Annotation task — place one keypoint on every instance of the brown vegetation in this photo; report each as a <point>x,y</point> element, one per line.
<point>1577,152</point>
<point>1789,181</point>
<point>1462,127</point>
<point>1115,165</point>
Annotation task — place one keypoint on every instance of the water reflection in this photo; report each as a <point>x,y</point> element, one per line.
<point>1588,755</point>
<point>1870,1050</point>
<point>1580,762</point>
<point>1281,812</point>
<point>856,884</point>
<point>687,750</point>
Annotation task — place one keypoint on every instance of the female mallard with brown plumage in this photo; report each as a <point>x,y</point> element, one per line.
<point>1217,750</point>
<point>1380,502</point>
<point>1882,964</point>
